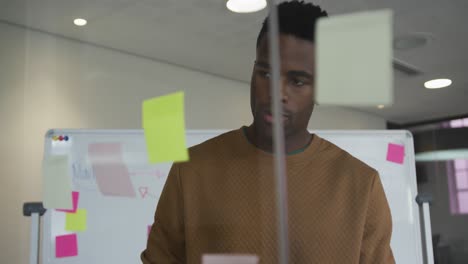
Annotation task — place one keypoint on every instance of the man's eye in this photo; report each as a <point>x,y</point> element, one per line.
<point>297,82</point>
<point>264,74</point>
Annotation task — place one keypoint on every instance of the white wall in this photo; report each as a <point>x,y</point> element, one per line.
<point>12,225</point>
<point>49,82</point>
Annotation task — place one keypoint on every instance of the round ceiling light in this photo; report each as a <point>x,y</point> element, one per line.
<point>437,83</point>
<point>80,22</point>
<point>246,6</point>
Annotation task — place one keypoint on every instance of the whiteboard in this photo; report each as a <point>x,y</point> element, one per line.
<point>117,226</point>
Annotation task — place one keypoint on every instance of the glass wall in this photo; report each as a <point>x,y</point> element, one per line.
<point>178,131</point>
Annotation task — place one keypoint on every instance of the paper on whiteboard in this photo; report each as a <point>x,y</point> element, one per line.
<point>111,173</point>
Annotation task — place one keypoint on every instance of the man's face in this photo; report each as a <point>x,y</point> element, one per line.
<point>297,62</point>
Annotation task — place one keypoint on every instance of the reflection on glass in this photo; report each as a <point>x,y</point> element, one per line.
<point>447,182</point>
<point>457,171</point>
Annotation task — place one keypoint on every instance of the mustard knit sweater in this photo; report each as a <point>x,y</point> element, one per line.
<point>223,202</point>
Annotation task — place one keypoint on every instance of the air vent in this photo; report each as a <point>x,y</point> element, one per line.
<point>412,41</point>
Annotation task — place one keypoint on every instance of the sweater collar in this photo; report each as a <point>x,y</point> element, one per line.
<point>298,156</point>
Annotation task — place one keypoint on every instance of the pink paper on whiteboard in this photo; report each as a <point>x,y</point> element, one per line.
<point>396,153</point>
<point>229,259</point>
<point>112,176</point>
<point>66,246</point>
<point>75,197</point>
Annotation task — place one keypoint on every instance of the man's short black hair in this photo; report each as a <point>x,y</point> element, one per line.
<point>296,18</point>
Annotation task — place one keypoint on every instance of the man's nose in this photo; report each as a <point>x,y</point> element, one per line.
<point>284,91</point>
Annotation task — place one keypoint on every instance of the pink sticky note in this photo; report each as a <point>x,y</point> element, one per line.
<point>75,197</point>
<point>66,246</point>
<point>396,153</point>
<point>112,176</point>
<point>229,259</point>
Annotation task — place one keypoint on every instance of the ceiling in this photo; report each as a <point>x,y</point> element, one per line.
<point>203,35</point>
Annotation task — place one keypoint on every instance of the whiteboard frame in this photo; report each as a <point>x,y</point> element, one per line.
<point>409,144</point>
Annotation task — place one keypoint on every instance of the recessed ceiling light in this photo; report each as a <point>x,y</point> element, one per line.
<point>80,22</point>
<point>246,6</point>
<point>437,83</point>
<point>380,106</point>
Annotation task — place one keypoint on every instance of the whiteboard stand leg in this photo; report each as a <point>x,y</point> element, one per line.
<point>425,201</point>
<point>34,239</point>
<point>428,233</point>
<point>35,210</point>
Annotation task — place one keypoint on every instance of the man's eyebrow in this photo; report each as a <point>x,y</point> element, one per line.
<point>290,73</point>
<point>300,74</point>
<point>262,64</point>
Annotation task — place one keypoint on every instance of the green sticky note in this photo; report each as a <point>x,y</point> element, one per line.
<point>164,126</point>
<point>354,59</point>
<point>76,221</point>
<point>57,182</point>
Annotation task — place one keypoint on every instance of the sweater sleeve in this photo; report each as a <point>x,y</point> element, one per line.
<point>375,247</point>
<point>166,243</point>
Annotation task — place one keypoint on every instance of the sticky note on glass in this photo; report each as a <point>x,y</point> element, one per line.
<point>66,246</point>
<point>354,64</point>
<point>229,259</point>
<point>76,221</point>
<point>75,198</point>
<point>164,127</point>
<point>112,175</point>
<point>57,183</point>
<point>396,153</point>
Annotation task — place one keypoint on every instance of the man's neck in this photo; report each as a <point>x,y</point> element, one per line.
<point>265,143</point>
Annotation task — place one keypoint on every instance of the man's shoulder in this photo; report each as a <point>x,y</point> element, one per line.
<point>214,146</point>
<point>345,160</point>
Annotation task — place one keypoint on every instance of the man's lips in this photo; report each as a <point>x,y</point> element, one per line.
<point>268,117</point>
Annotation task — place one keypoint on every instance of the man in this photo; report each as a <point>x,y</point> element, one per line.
<point>223,200</point>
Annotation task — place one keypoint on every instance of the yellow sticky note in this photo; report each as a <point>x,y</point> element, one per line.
<point>164,126</point>
<point>76,221</point>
